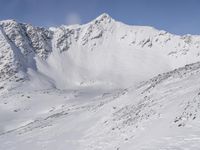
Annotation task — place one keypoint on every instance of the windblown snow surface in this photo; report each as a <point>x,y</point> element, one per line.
<point>99,86</point>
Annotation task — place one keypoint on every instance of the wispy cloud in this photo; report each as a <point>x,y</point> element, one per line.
<point>73,18</point>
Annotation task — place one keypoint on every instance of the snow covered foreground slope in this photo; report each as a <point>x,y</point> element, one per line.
<point>160,114</point>
<point>80,87</point>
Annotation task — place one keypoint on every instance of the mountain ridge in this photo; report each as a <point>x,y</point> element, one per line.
<point>83,47</point>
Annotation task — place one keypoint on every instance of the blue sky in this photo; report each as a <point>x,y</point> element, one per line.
<point>176,16</point>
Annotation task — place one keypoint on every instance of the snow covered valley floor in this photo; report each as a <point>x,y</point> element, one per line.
<point>159,114</point>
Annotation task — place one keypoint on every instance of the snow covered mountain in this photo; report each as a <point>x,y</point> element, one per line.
<point>89,54</point>
<point>103,85</point>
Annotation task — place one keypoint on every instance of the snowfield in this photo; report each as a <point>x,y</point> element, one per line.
<point>99,86</point>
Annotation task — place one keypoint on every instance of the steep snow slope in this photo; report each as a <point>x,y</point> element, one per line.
<point>102,52</point>
<point>19,45</point>
<point>162,113</point>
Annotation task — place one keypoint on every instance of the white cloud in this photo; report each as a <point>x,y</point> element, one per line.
<point>73,18</point>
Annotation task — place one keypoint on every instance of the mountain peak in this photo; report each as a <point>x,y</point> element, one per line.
<point>103,18</point>
<point>10,21</point>
<point>104,15</point>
